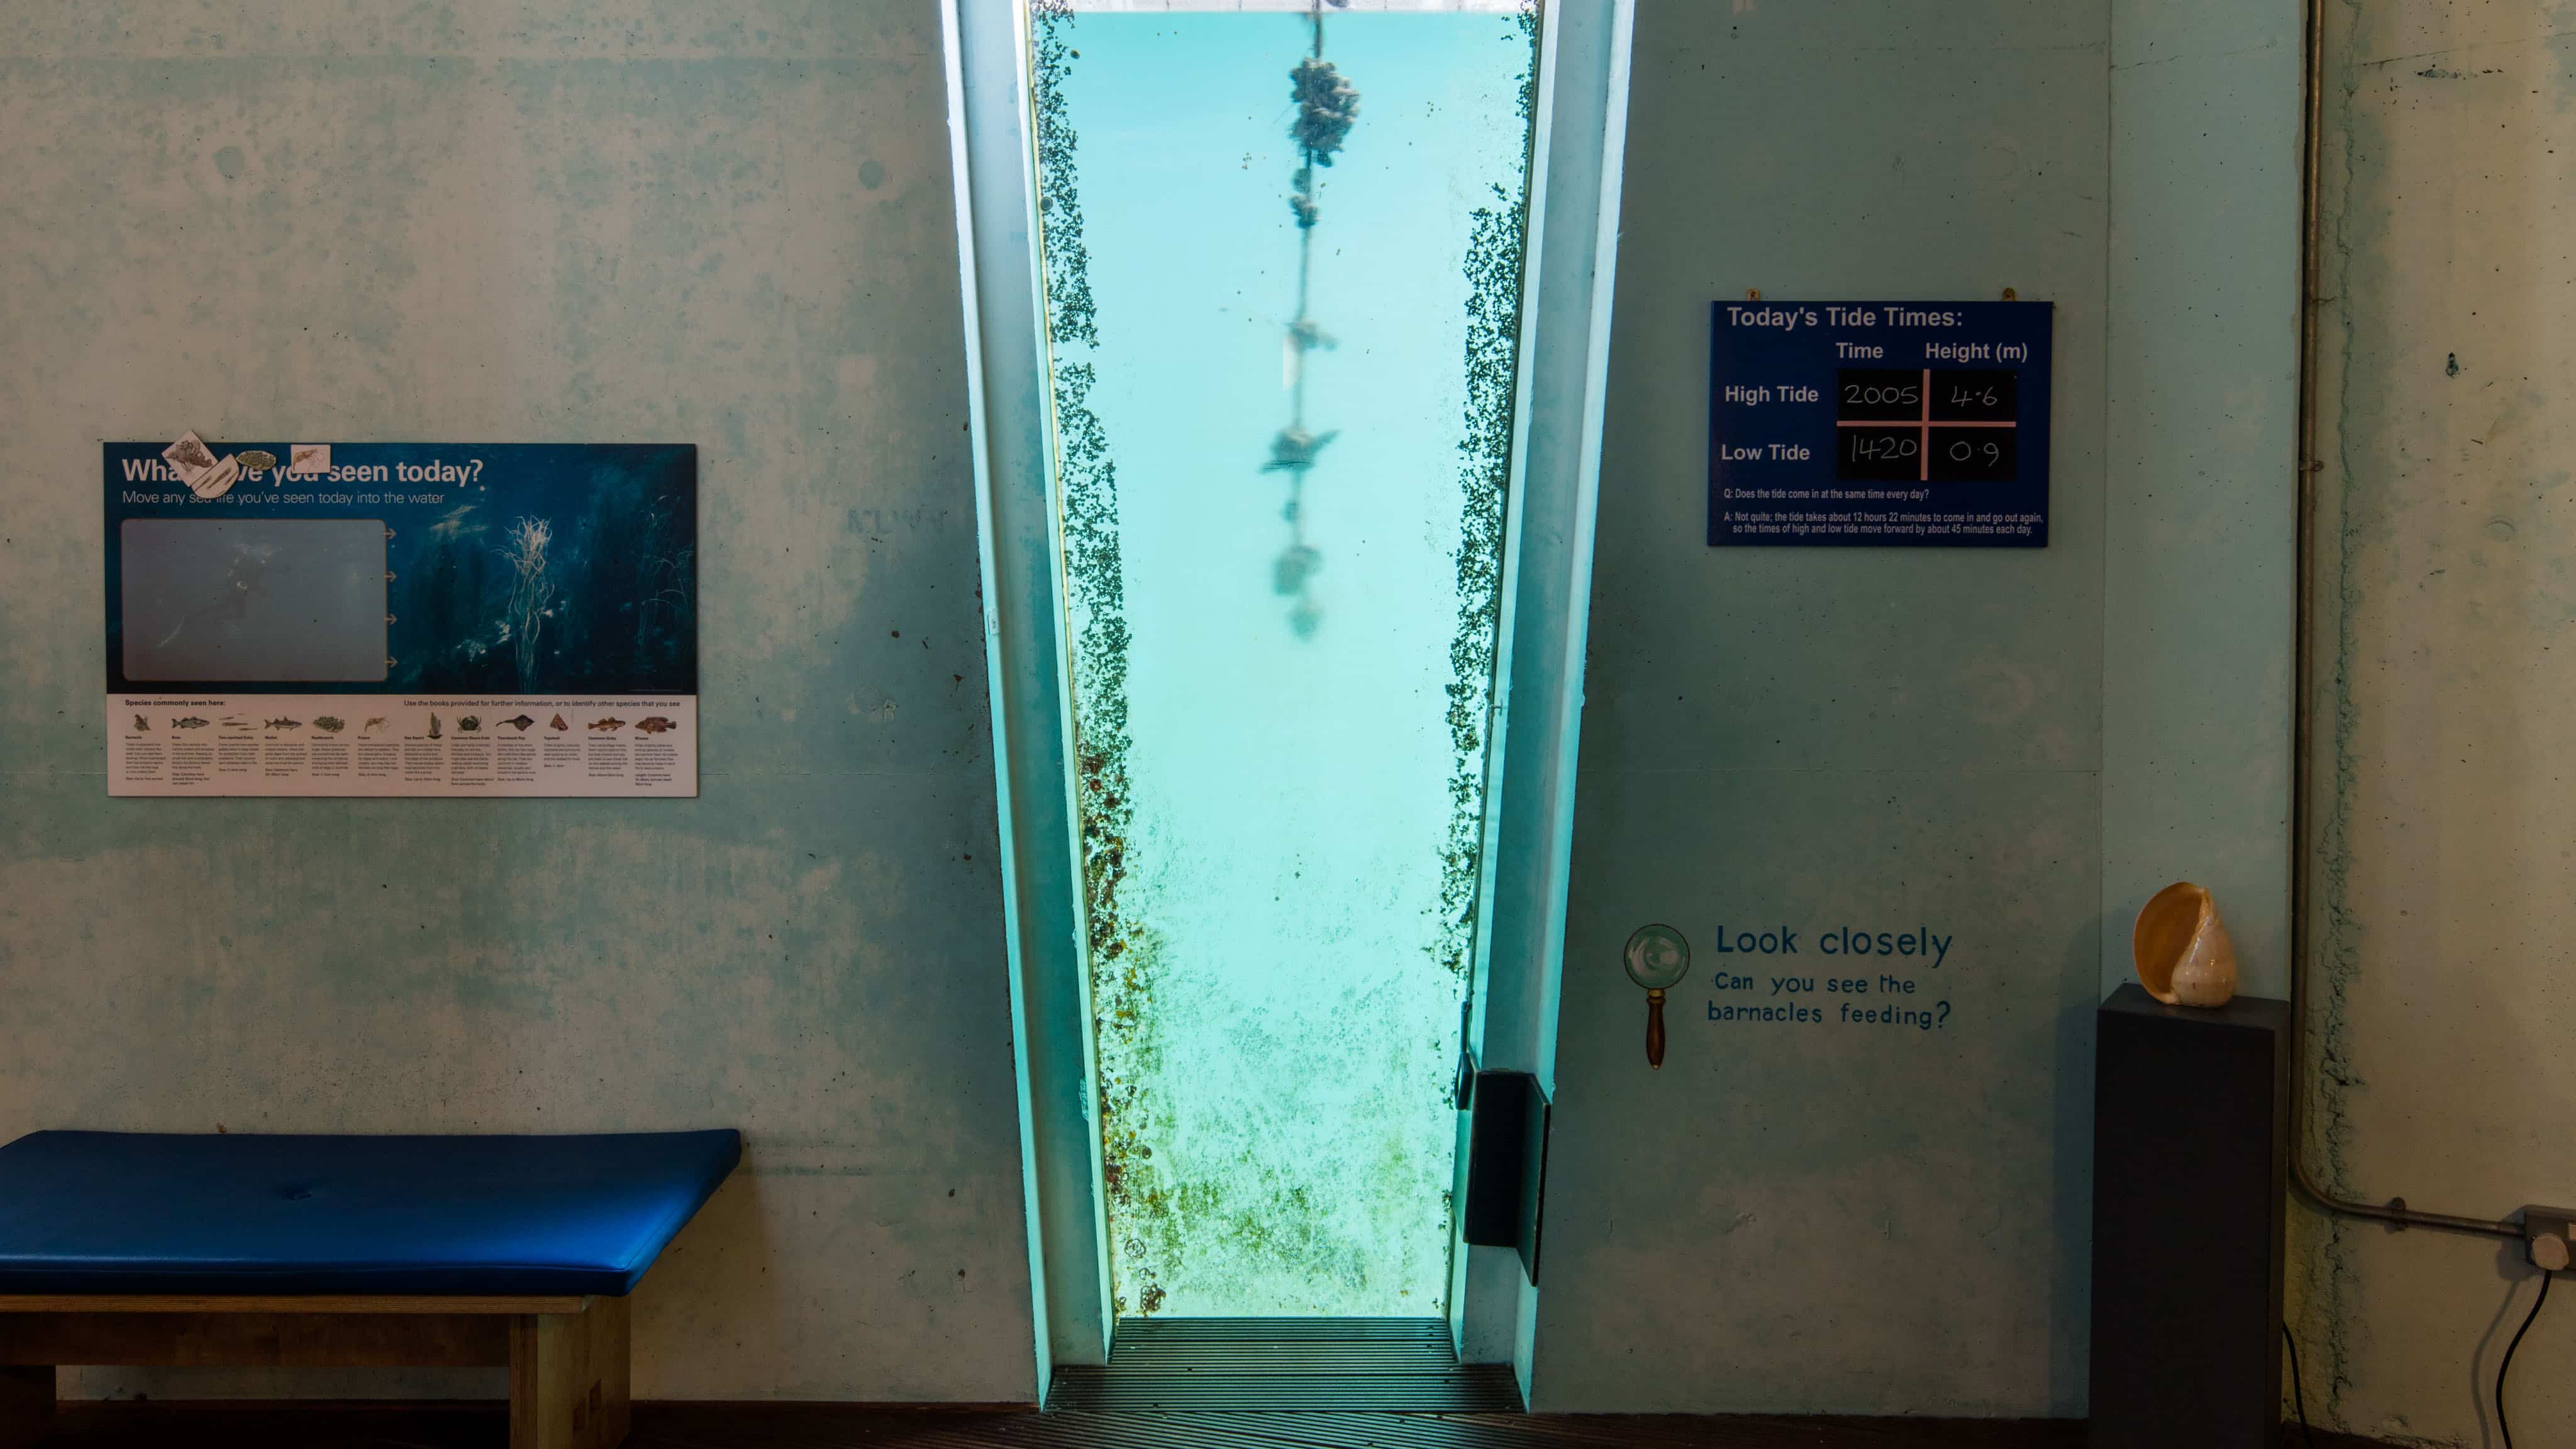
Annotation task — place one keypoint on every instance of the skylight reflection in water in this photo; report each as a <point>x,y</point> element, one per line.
<point>1283,269</point>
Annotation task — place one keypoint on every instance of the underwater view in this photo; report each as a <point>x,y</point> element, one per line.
<point>252,598</point>
<point>579,578</point>
<point>1283,252</point>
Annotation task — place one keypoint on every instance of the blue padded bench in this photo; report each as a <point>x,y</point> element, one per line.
<point>518,1252</point>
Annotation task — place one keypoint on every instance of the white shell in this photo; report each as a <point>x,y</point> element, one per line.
<point>2184,956</point>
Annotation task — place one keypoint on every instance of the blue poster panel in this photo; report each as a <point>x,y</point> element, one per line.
<point>1879,424</point>
<point>475,619</point>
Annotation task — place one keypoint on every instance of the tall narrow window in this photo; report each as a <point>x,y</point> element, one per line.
<point>1282,252</point>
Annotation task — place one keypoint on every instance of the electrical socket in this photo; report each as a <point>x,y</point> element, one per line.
<point>2549,1237</point>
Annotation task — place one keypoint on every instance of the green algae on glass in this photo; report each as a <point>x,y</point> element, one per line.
<point>1279,827</point>
<point>1120,955</point>
<point>1067,263</point>
<point>1493,270</point>
<point>1495,256</point>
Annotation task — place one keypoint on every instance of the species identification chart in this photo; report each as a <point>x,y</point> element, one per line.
<point>1879,424</point>
<point>401,619</point>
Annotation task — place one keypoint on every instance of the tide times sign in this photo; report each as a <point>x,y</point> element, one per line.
<point>1879,424</point>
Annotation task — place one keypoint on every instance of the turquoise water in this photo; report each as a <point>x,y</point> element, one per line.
<point>1281,553</point>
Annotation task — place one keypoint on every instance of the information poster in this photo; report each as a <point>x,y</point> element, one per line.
<point>430,619</point>
<point>1879,424</point>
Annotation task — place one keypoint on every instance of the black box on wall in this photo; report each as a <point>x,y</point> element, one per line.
<point>2191,1141</point>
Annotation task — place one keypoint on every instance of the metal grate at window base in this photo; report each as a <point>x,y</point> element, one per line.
<point>1295,1430</point>
<point>1284,1365</point>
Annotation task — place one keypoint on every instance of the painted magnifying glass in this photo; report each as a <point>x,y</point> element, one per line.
<point>1657,958</point>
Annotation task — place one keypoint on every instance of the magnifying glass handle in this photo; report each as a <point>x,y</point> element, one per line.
<point>1655,1030</point>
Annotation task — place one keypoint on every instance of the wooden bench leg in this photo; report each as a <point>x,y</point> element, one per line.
<point>610,1355</point>
<point>568,1378</point>
<point>26,1404</point>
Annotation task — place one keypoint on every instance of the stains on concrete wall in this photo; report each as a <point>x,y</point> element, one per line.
<point>2442,605</point>
<point>560,221</point>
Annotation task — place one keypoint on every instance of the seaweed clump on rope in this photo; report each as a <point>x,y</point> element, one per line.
<point>1326,105</point>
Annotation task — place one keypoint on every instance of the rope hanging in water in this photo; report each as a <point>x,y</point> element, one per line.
<point>1326,104</point>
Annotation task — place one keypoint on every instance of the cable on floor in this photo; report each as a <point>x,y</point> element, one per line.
<point>2502,1428</point>
<point>2298,1390</point>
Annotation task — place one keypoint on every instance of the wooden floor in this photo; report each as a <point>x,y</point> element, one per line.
<point>730,1426</point>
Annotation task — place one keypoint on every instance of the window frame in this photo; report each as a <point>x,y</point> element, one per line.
<point>1569,261</point>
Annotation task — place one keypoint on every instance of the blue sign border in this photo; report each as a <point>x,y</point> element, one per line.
<point>1789,355</point>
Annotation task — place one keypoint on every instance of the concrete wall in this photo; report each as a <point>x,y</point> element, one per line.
<point>1832,1218</point>
<point>551,221</point>
<point>2446,710</point>
<point>564,220</point>
<point>2199,575</point>
<point>2013,749</point>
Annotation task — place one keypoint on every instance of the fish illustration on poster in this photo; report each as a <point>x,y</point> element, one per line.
<point>424,588</point>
